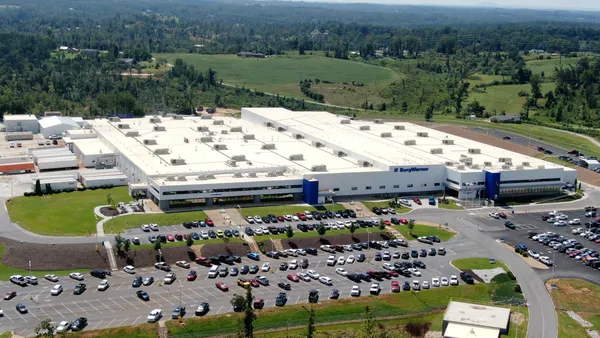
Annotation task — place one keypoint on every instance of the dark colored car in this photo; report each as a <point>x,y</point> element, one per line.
<point>510,225</point>
<point>406,286</point>
<point>283,266</point>
<point>418,264</point>
<point>79,289</point>
<point>467,278</point>
<point>21,308</point>
<point>259,303</point>
<point>148,281</point>
<point>423,253</point>
<point>284,285</point>
<point>262,280</point>
<point>414,253</point>
<point>79,324</point>
<point>244,269</point>
<point>202,309</point>
<point>281,299</point>
<point>192,275</point>
<point>313,296</point>
<point>335,294</point>
<point>253,269</point>
<point>378,256</point>
<point>178,312</point>
<point>405,255</point>
<point>98,274</point>
<point>361,257</point>
<point>10,295</point>
<point>137,282</point>
<point>143,295</point>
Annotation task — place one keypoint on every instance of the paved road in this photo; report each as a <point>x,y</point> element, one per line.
<point>118,306</point>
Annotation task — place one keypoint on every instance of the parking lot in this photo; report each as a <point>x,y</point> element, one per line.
<point>119,306</point>
<point>564,266</point>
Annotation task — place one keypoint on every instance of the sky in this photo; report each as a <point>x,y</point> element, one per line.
<point>536,4</point>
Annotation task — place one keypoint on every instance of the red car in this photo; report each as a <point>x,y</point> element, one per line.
<point>386,222</point>
<point>280,219</point>
<point>395,286</point>
<point>393,273</point>
<point>10,295</point>
<point>502,215</point>
<point>416,200</point>
<point>203,261</point>
<point>574,253</point>
<point>597,240</point>
<point>185,236</point>
<point>403,221</point>
<point>170,238</point>
<point>301,216</point>
<point>209,222</point>
<point>179,237</point>
<point>293,277</point>
<point>221,286</point>
<point>192,275</point>
<point>254,283</point>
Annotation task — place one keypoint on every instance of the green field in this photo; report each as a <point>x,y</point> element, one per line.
<point>117,225</point>
<point>64,214</point>
<point>280,210</point>
<point>568,327</point>
<point>450,206</point>
<point>385,204</point>
<point>424,230</point>
<point>477,264</point>
<point>146,330</point>
<point>548,66</point>
<point>7,271</point>
<point>505,98</point>
<point>281,74</point>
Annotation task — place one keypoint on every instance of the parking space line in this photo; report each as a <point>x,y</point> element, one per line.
<point>190,298</point>
<point>95,326</point>
<point>21,316</point>
<point>220,309</point>
<point>298,300</point>
<point>93,307</point>
<point>68,308</point>
<point>121,324</point>
<point>57,311</point>
<point>138,318</point>
<point>117,304</point>
<point>199,295</point>
<point>46,313</point>
<point>120,286</point>
<point>82,309</point>
<point>7,317</point>
<point>158,294</point>
<point>99,301</point>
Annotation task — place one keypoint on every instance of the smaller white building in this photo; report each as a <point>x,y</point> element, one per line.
<point>93,152</point>
<point>18,123</point>
<point>466,320</point>
<point>56,125</point>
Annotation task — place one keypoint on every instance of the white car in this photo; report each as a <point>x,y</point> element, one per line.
<point>388,266</point>
<point>257,219</point>
<point>295,218</point>
<point>258,231</point>
<point>331,260</point>
<point>551,220</point>
<point>154,315</point>
<point>183,264</point>
<point>533,254</point>
<point>292,252</point>
<point>249,219</point>
<point>204,234</point>
<point>341,260</point>
<point>308,215</point>
<point>560,223</point>
<point>574,221</point>
<point>170,278</point>
<point>325,280</point>
<point>416,286</point>
<point>341,271</point>
<point>348,247</point>
<point>288,217</point>
<point>577,231</point>
<point>51,277</point>
<point>415,272</point>
<point>553,213</point>
<point>145,227</point>
<point>56,290</point>
<point>425,285</point>
<point>301,252</point>
<point>76,275</point>
<point>453,280</point>
<point>562,217</point>
<point>303,276</point>
<point>266,267</point>
<point>355,292</point>
<point>154,227</point>
<point>31,280</point>
<point>444,281</point>
<point>63,326</point>
<point>293,265</point>
<point>375,289</point>
<point>494,215</point>
<point>103,285</point>
<point>313,274</point>
<point>350,259</point>
<point>435,282</point>
<point>130,269</point>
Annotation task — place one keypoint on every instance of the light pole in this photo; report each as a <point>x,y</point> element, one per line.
<point>530,131</point>
<point>368,239</point>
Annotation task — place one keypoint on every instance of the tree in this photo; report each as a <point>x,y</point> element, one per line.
<point>535,82</point>
<point>126,245</point>
<point>189,240</point>
<point>109,200</point>
<point>352,228</point>
<point>48,189</point>
<point>157,244</point>
<point>321,229</point>
<point>44,329</point>
<point>429,113</point>
<point>381,225</point>
<point>411,226</point>
<point>404,107</point>
<point>119,241</point>
<point>311,329</point>
<point>38,188</point>
<point>289,232</point>
<point>476,108</point>
<point>238,302</point>
<point>369,325</point>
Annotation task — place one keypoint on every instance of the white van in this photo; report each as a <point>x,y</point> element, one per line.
<point>213,272</point>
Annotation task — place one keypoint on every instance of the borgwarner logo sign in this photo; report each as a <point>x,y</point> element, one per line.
<point>410,170</point>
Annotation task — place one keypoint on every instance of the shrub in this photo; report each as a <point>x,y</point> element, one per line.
<point>523,93</point>
<point>524,254</point>
<point>81,189</point>
<point>518,288</point>
<point>511,275</point>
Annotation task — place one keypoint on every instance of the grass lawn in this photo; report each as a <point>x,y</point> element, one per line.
<point>424,230</point>
<point>288,209</point>
<point>7,271</point>
<point>117,225</point>
<point>505,97</point>
<point>555,160</point>
<point>568,327</point>
<point>451,205</point>
<point>576,295</point>
<point>331,311</point>
<point>386,204</point>
<point>477,263</point>
<point>137,331</point>
<point>183,243</point>
<point>64,214</point>
<point>6,334</point>
<point>300,234</point>
<point>547,66</point>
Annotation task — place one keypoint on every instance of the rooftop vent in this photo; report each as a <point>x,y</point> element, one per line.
<point>159,128</point>
<point>201,178</point>
<point>474,151</point>
<point>399,127</point>
<point>386,134</point>
<point>475,166</point>
<point>364,128</point>
<point>460,167</point>
<point>541,166</point>
<point>224,131</point>
<point>298,136</point>
<point>410,142</point>
<point>237,175</point>
<point>296,157</point>
<point>487,164</point>
<point>378,121</point>
<point>202,128</point>
<point>132,133</point>
<point>236,129</point>
<point>268,146</point>
<point>181,178</point>
<point>206,139</point>
<point>204,177</point>
<point>447,141</point>
<point>469,163</point>
<point>422,134</point>
<point>253,175</point>
<point>231,163</point>
<point>206,117</point>
<point>271,174</point>
<point>177,161</point>
<point>269,125</point>
<point>178,117</point>
<point>520,167</point>
<point>217,122</point>
<point>364,163</point>
<point>161,151</point>
<point>281,129</point>
<point>114,119</point>
<point>170,178</point>
<point>155,119</point>
<point>123,126</point>
<point>345,121</point>
<point>220,146</point>
<point>318,168</point>
<point>238,158</point>
<point>449,163</point>
<point>340,153</point>
<point>526,164</point>
<point>464,159</point>
<point>249,137</point>
<point>318,144</point>
<point>436,151</point>
<point>505,166</point>
<point>150,142</point>
<point>186,140</point>
<point>504,159</point>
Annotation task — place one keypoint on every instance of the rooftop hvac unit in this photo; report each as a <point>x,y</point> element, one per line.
<point>237,175</point>
<point>474,151</point>
<point>271,174</point>
<point>526,164</point>
<point>223,131</point>
<point>278,173</point>
<point>364,163</point>
<point>447,141</point>
<point>520,167</point>
<point>181,178</point>
<point>296,157</point>
<point>202,128</point>
<point>114,119</point>
<point>345,121</point>
<point>201,178</point>
<point>449,163</point>
<point>249,137</point>
<point>318,144</point>
<point>236,129</point>
<point>422,134</point>
<point>364,128</point>
<point>161,151</point>
<point>460,167</point>
<point>410,142</point>
<point>220,146</point>
<point>436,150</point>
<point>159,128</point>
<point>206,117</point>
<point>177,161</point>
<point>268,146</point>
<point>487,164</point>
<point>155,119</point>
<point>186,140</point>
<point>217,122</point>
<point>378,121</point>
<point>231,163</point>
<point>253,175</point>
<point>178,117</point>
<point>298,136</point>
<point>475,166</point>
<point>399,127</point>
<point>318,167</point>
<point>204,177</point>
<point>504,159</point>
<point>123,126</point>
<point>465,159</point>
<point>386,134</point>
<point>238,158</point>
<point>281,129</point>
<point>541,166</point>
<point>269,125</point>
<point>170,178</point>
<point>132,133</point>
<point>150,142</point>
<point>505,166</point>
<point>206,139</point>
<point>469,163</point>
<point>340,153</point>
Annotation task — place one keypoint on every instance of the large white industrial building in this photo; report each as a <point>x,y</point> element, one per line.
<point>274,153</point>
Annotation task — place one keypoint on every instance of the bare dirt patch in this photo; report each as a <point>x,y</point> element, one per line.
<point>109,212</point>
<point>317,241</point>
<point>517,318</point>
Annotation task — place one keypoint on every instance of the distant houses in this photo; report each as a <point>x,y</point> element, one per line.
<point>250,55</point>
<point>508,118</point>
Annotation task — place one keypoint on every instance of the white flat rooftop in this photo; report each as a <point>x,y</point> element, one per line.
<point>478,315</point>
<point>92,146</point>
<point>23,117</point>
